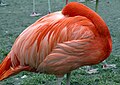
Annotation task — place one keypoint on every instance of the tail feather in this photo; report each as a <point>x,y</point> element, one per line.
<point>5,65</point>
<point>7,70</point>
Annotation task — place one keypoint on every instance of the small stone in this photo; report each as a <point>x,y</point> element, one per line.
<point>92,71</point>
<point>24,76</point>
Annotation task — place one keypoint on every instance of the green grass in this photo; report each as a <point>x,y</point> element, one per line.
<point>15,18</point>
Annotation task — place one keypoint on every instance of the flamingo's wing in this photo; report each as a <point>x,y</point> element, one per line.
<point>70,55</point>
<point>81,48</point>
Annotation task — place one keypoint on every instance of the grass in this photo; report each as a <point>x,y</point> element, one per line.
<point>15,18</point>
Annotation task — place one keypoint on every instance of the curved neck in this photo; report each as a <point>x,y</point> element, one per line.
<point>77,9</point>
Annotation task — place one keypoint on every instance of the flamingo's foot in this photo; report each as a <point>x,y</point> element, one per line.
<point>35,14</point>
<point>92,71</point>
<point>3,4</point>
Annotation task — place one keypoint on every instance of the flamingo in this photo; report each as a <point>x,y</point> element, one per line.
<point>2,4</point>
<point>34,13</point>
<point>0,1</point>
<point>96,6</point>
<point>66,2</point>
<point>49,7</point>
<point>59,43</point>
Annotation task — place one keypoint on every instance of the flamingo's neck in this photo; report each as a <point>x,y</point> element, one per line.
<point>77,9</point>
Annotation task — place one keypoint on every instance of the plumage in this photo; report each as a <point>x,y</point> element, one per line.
<point>59,43</point>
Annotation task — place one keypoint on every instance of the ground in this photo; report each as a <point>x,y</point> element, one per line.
<point>15,17</point>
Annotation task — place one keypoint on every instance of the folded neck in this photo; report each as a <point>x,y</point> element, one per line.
<point>77,9</point>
